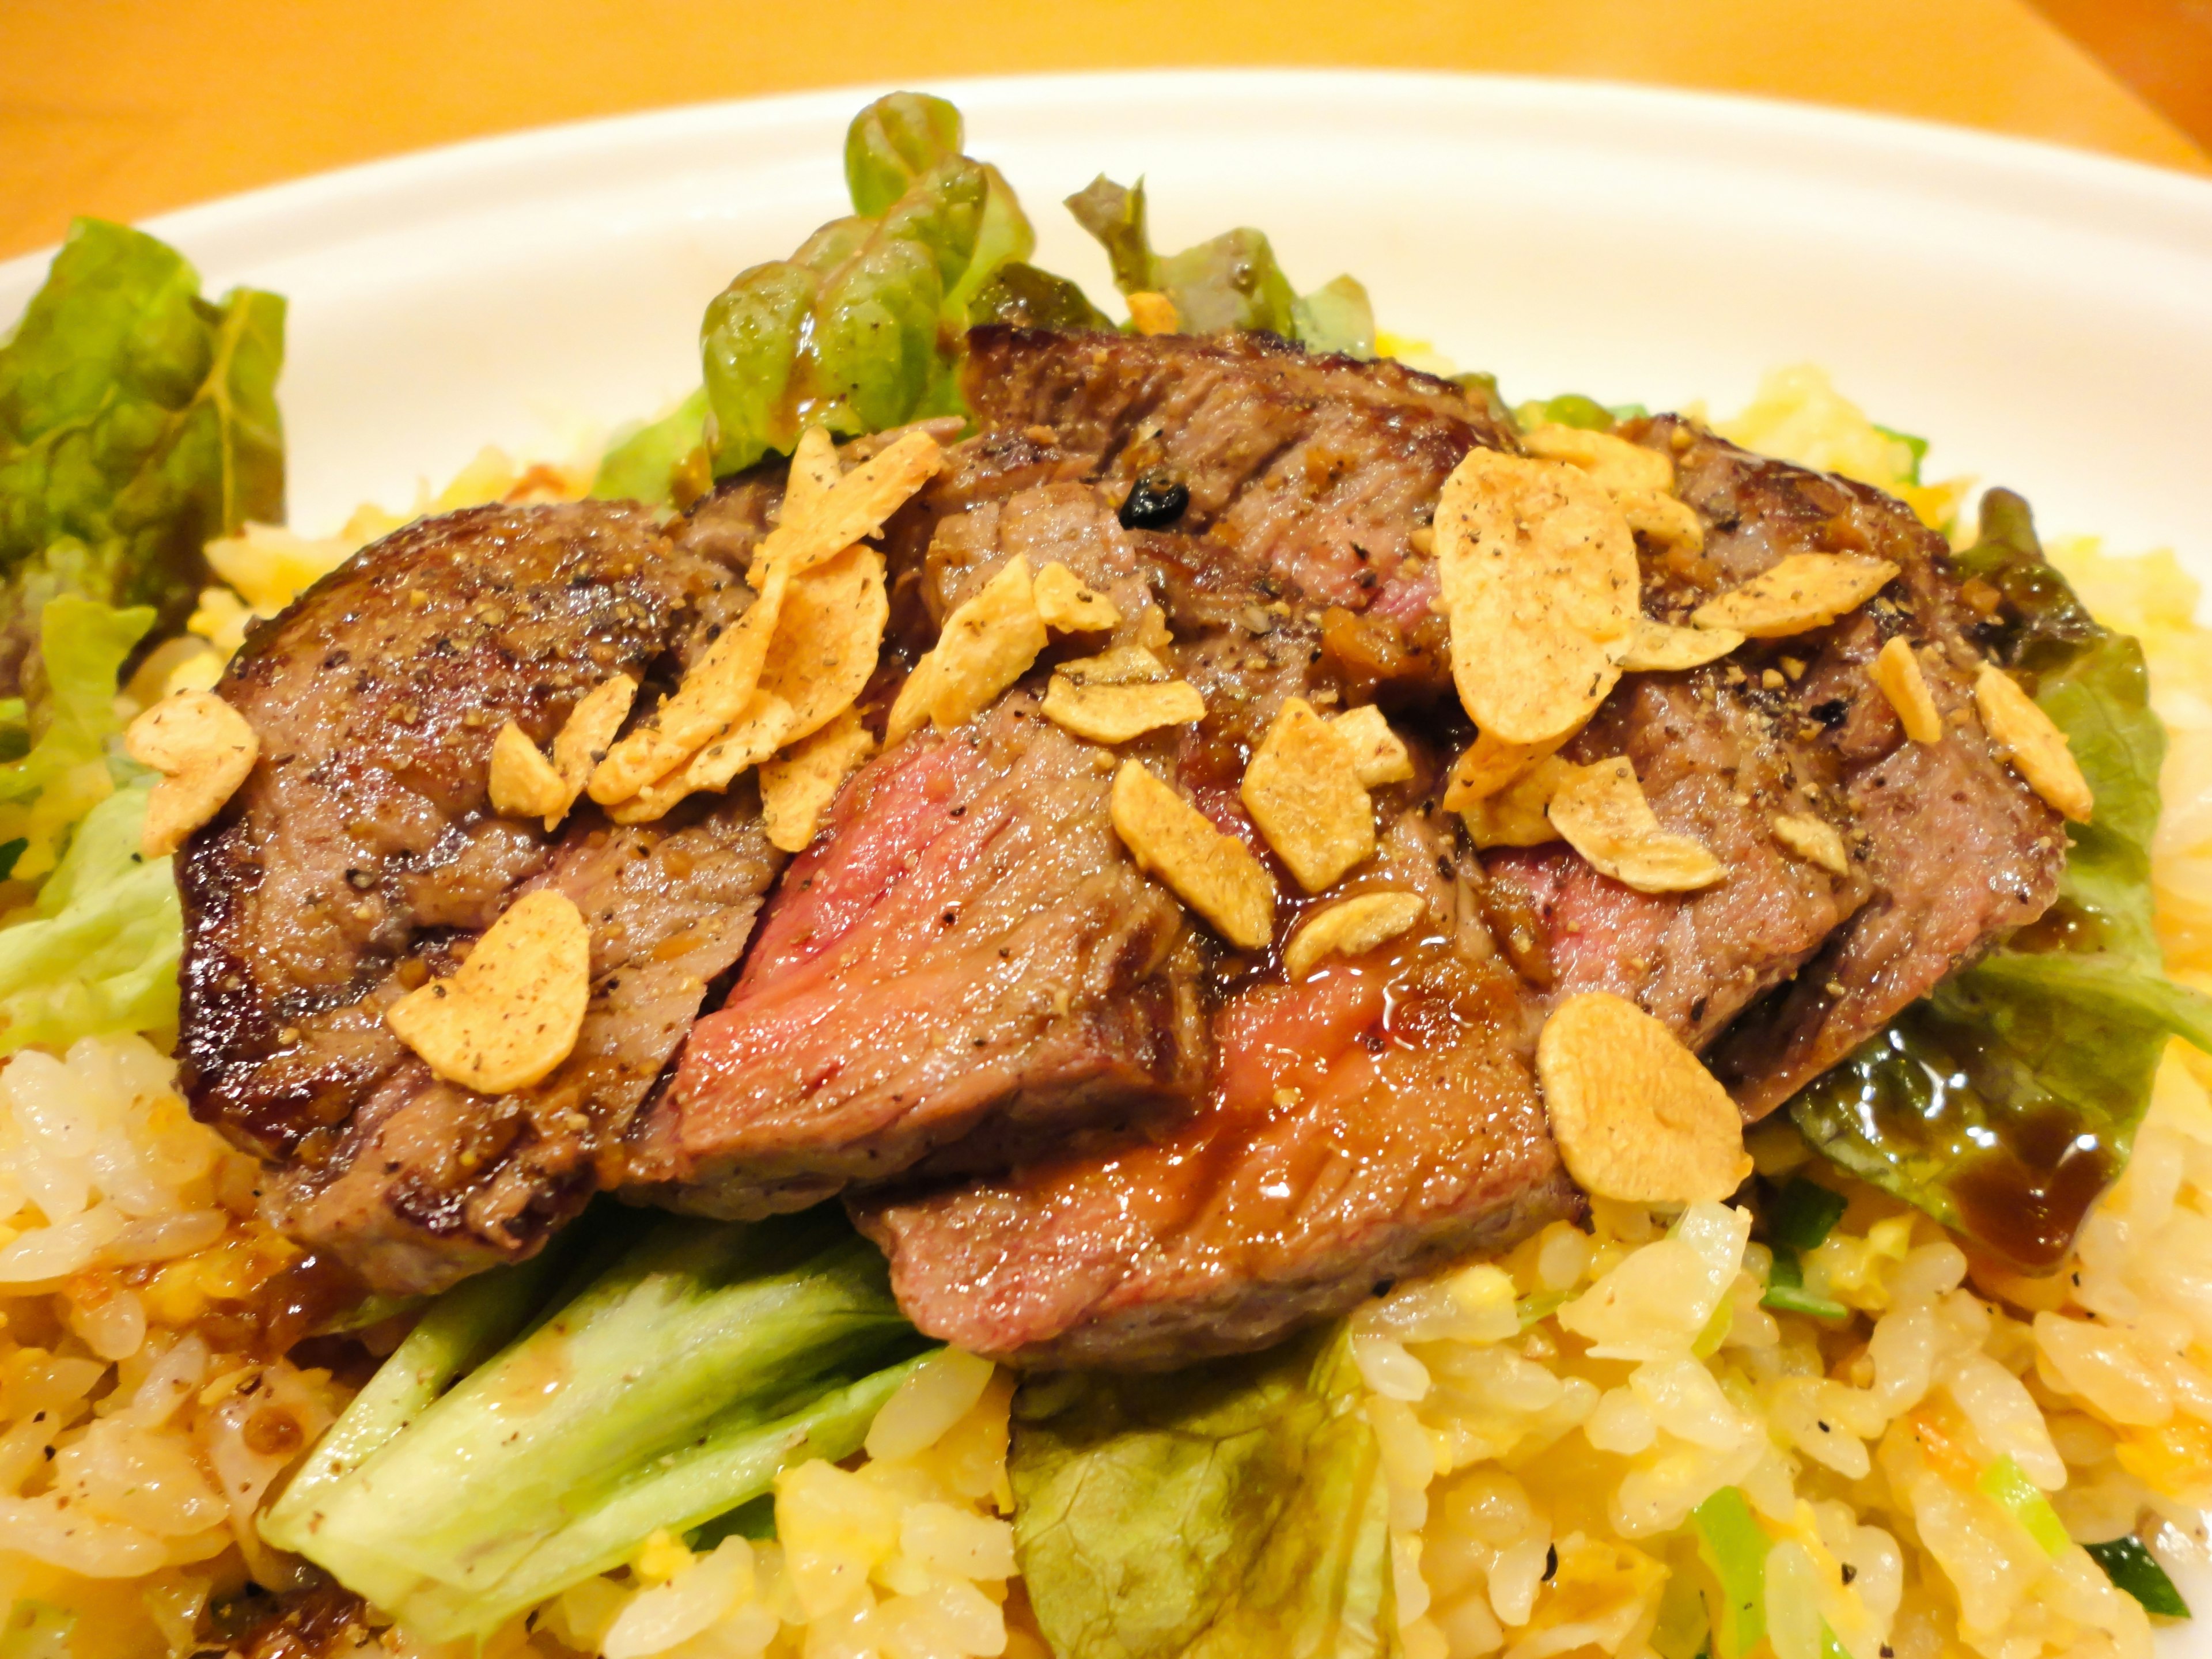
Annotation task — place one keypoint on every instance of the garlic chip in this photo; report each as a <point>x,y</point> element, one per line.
<point>1067,607</point>
<point>589,732</point>
<point>1214,874</point>
<point>814,472</point>
<point>1486,766</point>
<point>762,673</point>
<point>755,734</point>
<point>1660,648</point>
<point>1599,811</point>
<point>2033,742</point>
<point>1153,314</point>
<point>1301,787</point>
<point>1897,672</point>
<point>984,645</point>
<point>1350,927</point>
<point>523,783</point>
<point>1815,840</point>
<point>512,1012</point>
<point>1796,594</point>
<point>797,785</point>
<point>1519,815</point>
<point>1378,752</point>
<point>203,749</point>
<point>1115,714</point>
<point>1662,518</point>
<point>1614,465</point>
<point>828,640</point>
<point>852,507</point>
<point>713,694</point>
<point>1124,664</point>
<point>1638,1118</point>
<point>1540,586</point>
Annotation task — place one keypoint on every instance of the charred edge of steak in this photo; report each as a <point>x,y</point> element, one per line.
<point>360,857</point>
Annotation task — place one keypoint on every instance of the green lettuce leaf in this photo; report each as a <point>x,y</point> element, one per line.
<point>1231,282</point>
<point>99,955</point>
<point>1022,296</point>
<point>2005,1101</point>
<point>1232,1508</point>
<point>662,461</point>
<point>860,328</point>
<point>696,1359</point>
<point>67,724</point>
<point>137,422</point>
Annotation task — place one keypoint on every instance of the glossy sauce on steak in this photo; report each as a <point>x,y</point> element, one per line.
<point>362,856</point>
<point>1379,1119</point>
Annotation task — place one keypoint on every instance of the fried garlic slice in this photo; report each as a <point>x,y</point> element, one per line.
<point>1379,754</point>
<point>1301,787</point>
<point>1897,672</point>
<point>1599,811</point>
<point>1539,587</point>
<point>1350,927</point>
<point>798,785</point>
<point>1637,1116</point>
<point>986,645</point>
<point>203,749</point>
<point>1115,714</point>
<point>1660,647</point>
<point>1815,840</point>
<point>2033,744</point>
<point>1796,594</point>
<point>512,1012</point>
<point>1486,766</point>
<point>1614,465</point>
<point>1067,607</point>
<point>1215,874</point>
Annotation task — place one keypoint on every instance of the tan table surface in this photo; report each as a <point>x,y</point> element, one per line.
<point>127,107</point>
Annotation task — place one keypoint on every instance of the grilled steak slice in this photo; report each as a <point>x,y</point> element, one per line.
<point>967,969</point>
<point>1379,1119</point>
<point>1317,468</point>
<point>360,856</point>
<point>1956,847</point>
<point>872,1038</point>
<point>1949,848</point>
<point>1717,764</point>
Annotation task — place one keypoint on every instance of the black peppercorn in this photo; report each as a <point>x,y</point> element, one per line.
<point>1155,503</point>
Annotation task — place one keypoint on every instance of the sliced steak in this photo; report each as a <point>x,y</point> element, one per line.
<point>1716,765</point>
<point>1379,1119</point>
<point>967,969</point>
<point>1306,484</point>
<point>1782,969</point>
<point>360,857</point>
<point>1318,469</point>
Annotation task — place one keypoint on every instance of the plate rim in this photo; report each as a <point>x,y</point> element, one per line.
<point>2166,200</point>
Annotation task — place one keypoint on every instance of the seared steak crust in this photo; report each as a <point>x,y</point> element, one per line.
<point>362,855</point>
<point>1956,850</point>
<point>1309,475</point>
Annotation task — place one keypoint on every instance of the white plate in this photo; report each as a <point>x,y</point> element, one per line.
<point>2044,316</point>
